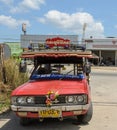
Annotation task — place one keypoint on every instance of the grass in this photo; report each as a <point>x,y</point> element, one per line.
<point>4,102</point>
<point>13,79</point>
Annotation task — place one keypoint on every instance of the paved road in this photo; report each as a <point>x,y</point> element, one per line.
<point>104,96</point>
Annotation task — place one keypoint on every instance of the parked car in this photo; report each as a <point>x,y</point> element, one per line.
<point>57,88</point>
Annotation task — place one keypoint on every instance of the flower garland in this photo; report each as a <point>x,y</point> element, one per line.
<point>51,98</point>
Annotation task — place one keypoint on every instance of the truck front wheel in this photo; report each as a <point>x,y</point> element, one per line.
<point>87,117</point>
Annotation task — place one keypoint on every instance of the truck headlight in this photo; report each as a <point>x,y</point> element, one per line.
<point>81,99</point>
<point>77,99</point>
<point>30,100</point>
<point>70,99</point>
<point>21,100</point>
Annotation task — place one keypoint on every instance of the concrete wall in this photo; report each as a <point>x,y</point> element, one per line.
<point>115,58</point>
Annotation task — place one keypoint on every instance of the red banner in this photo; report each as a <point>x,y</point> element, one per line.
<point>57,41</point>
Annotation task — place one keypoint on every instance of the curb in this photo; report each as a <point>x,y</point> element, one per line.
<point>104,68</point>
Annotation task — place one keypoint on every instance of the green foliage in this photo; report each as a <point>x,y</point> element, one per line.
<point>4,101</point>
<point>13,77</point>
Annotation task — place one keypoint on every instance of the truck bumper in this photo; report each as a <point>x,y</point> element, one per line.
<point>33,112</point>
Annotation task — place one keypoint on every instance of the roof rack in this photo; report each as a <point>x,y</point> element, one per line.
<point>61,55</point>
<point>55,46</point>
<point>57,54</point>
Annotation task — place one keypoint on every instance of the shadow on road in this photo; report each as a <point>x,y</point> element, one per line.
<point>9,121</point>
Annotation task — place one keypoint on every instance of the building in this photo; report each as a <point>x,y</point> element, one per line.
<point>105,48</point>
<point>26,40</point>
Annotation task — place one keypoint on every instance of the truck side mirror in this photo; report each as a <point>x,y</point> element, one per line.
<point>23,67</point>
<point>87,68</point>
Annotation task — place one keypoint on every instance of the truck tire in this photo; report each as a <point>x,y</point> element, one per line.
<point>87,117</point>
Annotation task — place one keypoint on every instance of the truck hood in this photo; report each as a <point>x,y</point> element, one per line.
<point>59,86</point>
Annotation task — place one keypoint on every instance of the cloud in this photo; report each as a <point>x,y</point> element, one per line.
<point>11,22</point>
<point>26,5</point>
<point>74,22</point>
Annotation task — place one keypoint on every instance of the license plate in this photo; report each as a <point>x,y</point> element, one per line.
<point>46,113</point>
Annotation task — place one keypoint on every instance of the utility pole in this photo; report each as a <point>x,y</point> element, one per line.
<point>3,72</point>
<point>83,34</point>
<point>24,28</point>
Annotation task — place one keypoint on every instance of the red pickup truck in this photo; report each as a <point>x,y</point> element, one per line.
<point>57,88</point>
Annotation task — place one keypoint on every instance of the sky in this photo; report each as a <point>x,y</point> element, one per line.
<point>96,18</point>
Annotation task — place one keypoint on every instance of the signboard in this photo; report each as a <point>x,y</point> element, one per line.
<point>5,51</point>
<point>101,44</point>
<point>61,40</point>
<point>57,41</point>
<point>15,48</point>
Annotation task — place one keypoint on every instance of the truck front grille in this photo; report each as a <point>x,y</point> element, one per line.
<point>42,100</point>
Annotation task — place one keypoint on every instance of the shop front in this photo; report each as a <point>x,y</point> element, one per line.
<point>105,48</point>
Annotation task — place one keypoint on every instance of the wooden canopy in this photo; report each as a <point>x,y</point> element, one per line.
<point>56,54</point>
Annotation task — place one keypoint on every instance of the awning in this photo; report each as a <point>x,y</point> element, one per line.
<point>56,54</point>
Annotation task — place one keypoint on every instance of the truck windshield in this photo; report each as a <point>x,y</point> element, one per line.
<point>57,71</point>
